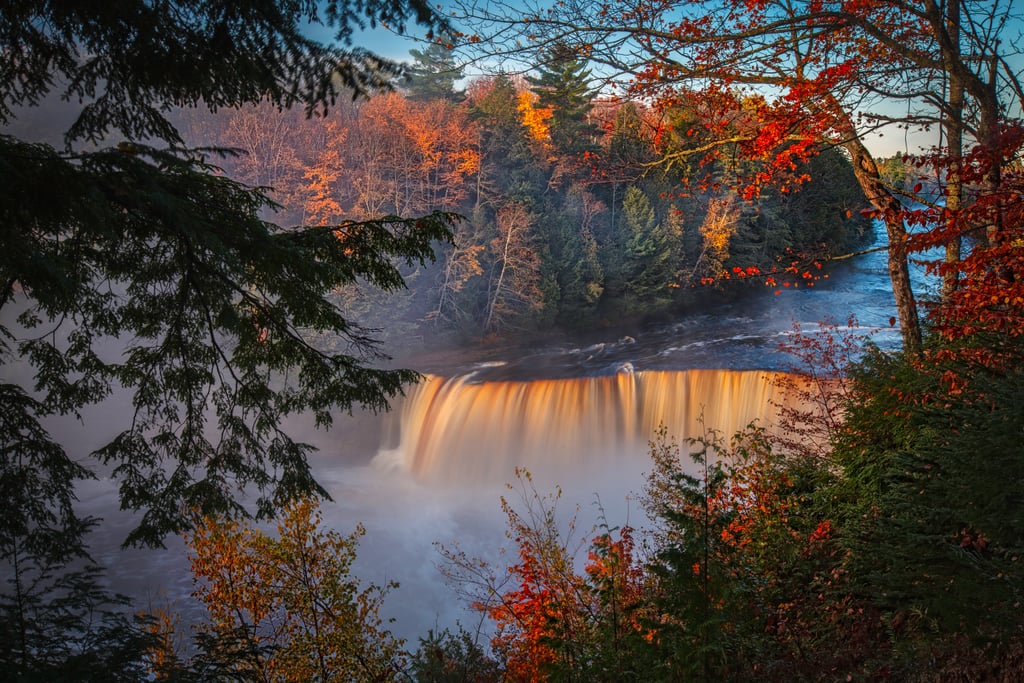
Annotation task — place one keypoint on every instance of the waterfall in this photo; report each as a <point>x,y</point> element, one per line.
<point>460,431</point>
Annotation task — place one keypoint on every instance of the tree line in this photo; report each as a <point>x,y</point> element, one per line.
<point>568,220</point>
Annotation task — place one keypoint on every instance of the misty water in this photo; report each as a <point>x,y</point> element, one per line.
<point>577,412</point>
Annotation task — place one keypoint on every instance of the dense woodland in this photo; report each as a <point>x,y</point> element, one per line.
<point>567,219</point>
<point>879,537</point>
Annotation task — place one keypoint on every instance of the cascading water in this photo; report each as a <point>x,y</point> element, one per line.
<point>466,432</point>
<point>573,413</point>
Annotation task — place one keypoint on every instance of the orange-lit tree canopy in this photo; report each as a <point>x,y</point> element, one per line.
<point>776,81</point>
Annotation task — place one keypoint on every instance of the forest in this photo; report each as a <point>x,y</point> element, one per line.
<point>241,222</point>
<point>567,220</point>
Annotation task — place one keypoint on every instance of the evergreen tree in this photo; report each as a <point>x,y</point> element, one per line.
<point>573,255</point>
<point>433,74</point>
<point>563,86</point>
<point>629,148</point>
<point>651,249</point>
<point>58,621</point>
<point>931,534</point>
<point>509,168</point>
<point>123,239</point>
<point>152,248</point>
<point>448,657</point>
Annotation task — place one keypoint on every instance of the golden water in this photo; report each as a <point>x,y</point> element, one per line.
<point>460,431</point>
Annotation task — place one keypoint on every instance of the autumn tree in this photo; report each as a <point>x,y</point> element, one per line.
<point>320,194</point>
<point>716,232</point>
<point>265,138</point>
<point>287,608</point>
<point>410,156</point>
<point>552,621</point>
<point>743,559</point>
<point>514,288</point>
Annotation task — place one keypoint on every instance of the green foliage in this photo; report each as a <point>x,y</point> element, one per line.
<point>629,148</point>
<point>213,304</point>
<point>576,268</point>
<point>58,622</point>
<point>140,268</point>
<point>693,581</point>
<point>822,218</point>
<point>932,511</point>
<point>508,164</point>
<point>153,250</point>
<point>133,61</point>
<point>740,556</point>
<point>563,86</point>
<point>433,74</point>
<point>448,657</point>
<point>652,250</point>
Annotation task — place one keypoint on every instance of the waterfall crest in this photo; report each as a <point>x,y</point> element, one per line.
<point>463,432</point>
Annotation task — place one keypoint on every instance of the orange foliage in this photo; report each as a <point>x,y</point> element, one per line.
<point>291,599</point>
<point>321,205</point>
<point>552,616</point>
<point>983,318</point>
<point>544,607</point>
<point>534,118</point>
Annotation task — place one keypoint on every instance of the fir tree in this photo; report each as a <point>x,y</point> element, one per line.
<point>433,74</point>
<point>651,248</point>
<point>563,86</point>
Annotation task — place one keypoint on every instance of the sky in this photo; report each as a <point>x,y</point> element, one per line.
<point>884,144</point>
<point>391,45</point>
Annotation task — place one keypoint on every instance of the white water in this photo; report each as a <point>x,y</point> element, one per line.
<point>582,422</point>
<point>460,432</point>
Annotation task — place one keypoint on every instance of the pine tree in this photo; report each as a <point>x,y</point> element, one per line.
<point>563,86</point>
<point>509,168</point>
<point>651,251</point>
<point>433,74</point>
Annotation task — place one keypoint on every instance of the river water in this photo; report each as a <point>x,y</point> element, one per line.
<point>576,412</point>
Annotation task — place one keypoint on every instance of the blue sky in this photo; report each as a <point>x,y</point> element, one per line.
<point>396,47</point>
<point>380,41</point>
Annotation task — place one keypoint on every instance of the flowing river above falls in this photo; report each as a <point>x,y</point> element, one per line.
<point>576,413</point>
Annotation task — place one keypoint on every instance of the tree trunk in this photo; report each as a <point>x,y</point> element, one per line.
<point>954,126</point>
<point>881,198</point>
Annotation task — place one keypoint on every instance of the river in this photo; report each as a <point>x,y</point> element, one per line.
<point>576,412</point>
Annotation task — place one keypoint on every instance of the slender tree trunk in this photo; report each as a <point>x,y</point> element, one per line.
<point>954,127</point>
<point>498,287</point>
<point>881,198</point>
